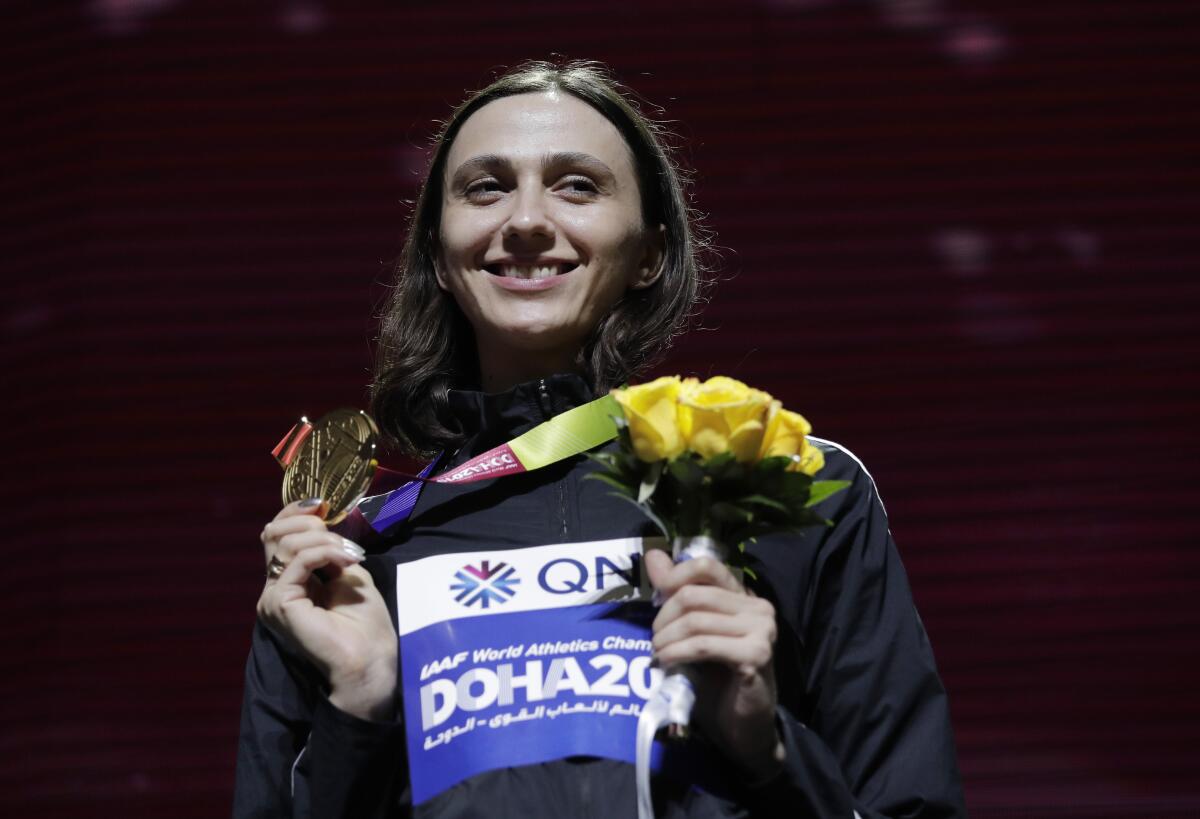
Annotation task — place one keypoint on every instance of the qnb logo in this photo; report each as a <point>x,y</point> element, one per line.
<point>484,585</point>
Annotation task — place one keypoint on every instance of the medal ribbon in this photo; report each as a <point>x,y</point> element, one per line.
<point>285,450</point>
<point>567,434</point>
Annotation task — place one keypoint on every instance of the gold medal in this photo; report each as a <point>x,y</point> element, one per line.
<point>333,459</point>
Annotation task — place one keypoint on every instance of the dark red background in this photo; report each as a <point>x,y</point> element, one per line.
<point>955,236</point>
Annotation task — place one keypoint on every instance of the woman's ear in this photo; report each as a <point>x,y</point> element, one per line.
<point>650,268</point>
<point>438,267</point>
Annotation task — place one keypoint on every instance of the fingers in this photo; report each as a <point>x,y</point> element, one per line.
<point>749,654</point>
<point>697,610</point>
<point>306,562</point>
<point>701,583</point>
<point>727,635</point>
<point>708,616</point>
<point>289,546</point>
<point>290,525</point>
<point>308,506</point>
<point>292,585</point>
<point>668,576</point>
<point>744,639</point>
<point>295,516</point>
<point>701,598</point>
<point>302,516</point>
<point>700,622</point>
<point>658,564</point>
<point>306,544</point>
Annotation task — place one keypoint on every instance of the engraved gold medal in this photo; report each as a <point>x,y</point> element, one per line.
<point>332,458</point>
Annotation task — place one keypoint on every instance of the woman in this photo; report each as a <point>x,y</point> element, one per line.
<point>551,253</point>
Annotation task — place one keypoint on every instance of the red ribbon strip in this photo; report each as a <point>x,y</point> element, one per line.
<point>285,450</point>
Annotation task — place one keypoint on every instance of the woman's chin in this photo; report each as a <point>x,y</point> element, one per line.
<point>534,335</point>
<point>534,344</point>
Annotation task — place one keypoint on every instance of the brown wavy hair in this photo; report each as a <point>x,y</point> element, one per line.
<point>426,346</point>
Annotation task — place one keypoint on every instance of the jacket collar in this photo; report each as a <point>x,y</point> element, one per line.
<point>490,419</point>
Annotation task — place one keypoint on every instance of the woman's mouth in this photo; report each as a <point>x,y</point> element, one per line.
<point>530,271</point>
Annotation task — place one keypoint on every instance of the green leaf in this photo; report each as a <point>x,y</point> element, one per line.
<point>775,463</point>
<point>763,500</point>
<point>667,531</point>
<point>729,471</point>
<point>718,463</point>
<point>650,481</point>
<point>625,490</point>
<point>607,459</point>
<point>729,513</point>
<point>685,470</point>
<point>792,488</point>
<point>823,489</point>
<point>623,436</point>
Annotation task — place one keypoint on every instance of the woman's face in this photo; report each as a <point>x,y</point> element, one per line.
<point>542,228</point>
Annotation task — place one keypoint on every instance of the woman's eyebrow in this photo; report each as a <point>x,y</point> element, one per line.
<point>579,159</point>
<point>495,162</point>
<point>482,162</point>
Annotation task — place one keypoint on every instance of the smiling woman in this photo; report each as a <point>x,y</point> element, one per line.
<point>494,654</point>
<point>548,170</point>
<point>541,232</point>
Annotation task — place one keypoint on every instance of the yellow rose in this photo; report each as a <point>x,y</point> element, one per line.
<point>723,415</point>
<point>650,410</point>
<point>786,435</point>
<point>811,460</point>
<point>785,432</point>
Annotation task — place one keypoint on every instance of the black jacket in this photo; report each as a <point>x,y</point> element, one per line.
<point>862,711</point>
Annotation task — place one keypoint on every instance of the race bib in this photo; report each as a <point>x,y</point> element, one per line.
<point>522,656</point>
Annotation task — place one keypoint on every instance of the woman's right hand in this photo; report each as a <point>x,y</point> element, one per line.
<point>337,619</point>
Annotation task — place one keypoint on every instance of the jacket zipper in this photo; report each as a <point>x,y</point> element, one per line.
<point>585,785</point>
<point>544,399</point>
<point>548,412</point>
<point>585,792</point>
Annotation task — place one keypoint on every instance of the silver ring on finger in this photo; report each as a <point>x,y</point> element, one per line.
<point>275,567</point>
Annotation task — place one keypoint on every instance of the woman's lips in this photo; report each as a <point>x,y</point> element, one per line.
<point>529,277</point>
<point>540,270</point>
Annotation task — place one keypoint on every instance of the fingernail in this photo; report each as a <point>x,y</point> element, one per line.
<point>309,503</point>
<point>353,549</point>
<point>657,599</point>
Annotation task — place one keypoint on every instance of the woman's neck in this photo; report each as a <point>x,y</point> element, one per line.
<point>501,369</point>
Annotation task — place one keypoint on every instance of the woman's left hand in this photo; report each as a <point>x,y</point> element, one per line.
<point>708,618</point>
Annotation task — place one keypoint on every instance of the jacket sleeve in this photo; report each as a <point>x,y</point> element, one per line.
<point>869,734</point>
<point>300,757</point>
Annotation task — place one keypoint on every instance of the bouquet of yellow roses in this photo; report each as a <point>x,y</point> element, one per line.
<point>712,464</point>
<point>715,459</point>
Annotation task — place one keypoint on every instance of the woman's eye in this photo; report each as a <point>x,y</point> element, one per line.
<point>483,188</point>
<point>579,186</point>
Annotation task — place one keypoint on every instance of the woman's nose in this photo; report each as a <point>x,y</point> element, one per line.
<point>529,219</point>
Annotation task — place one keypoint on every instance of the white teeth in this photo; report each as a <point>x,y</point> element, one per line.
<point>528,271</point>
